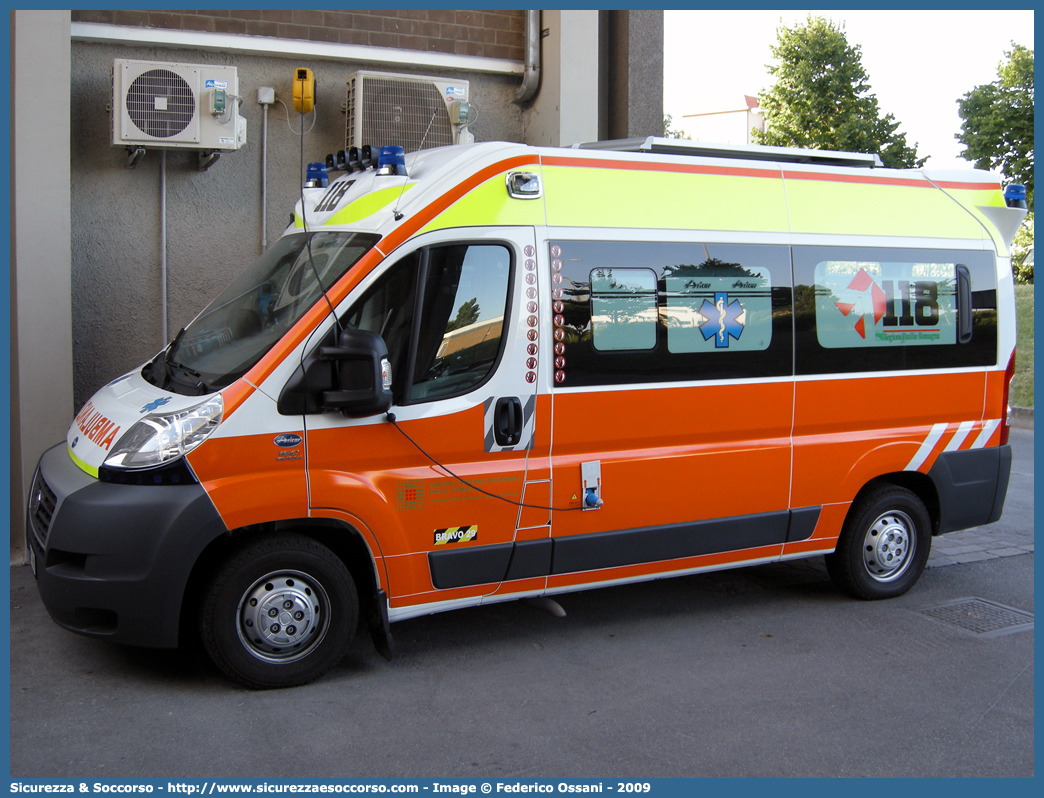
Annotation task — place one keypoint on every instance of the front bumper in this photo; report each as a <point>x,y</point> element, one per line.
<point>111,560</point>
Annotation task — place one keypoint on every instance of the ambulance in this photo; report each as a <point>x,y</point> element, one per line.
<point>489,372</point>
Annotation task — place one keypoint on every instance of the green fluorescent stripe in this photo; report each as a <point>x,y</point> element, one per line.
<point>489,204</point>
<point>83,466</point>
<point>367,205</point>
<point>818,206</point>
<point>596,197</point>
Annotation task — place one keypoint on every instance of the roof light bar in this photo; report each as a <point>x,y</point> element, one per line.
<point>752,152</point>
<point>316,176</point>
<point>391,160</point>
<point>1015,196</point>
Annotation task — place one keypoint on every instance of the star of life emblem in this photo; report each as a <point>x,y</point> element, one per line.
<point>722,320</point>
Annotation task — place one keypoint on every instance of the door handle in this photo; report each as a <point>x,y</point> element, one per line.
<point>507,421</point>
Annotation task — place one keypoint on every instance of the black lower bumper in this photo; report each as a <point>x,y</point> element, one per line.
<point>113,560</point>
<point>972,485</point>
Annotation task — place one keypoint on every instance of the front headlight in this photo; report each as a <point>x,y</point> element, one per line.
<point>164,437</point>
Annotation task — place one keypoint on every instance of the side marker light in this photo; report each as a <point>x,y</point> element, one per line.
<point>524,185</point>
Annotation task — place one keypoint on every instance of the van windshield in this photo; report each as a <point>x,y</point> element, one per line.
<point>235,331</point>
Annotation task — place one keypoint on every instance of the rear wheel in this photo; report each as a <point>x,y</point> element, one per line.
<point>884,544</point>
<point>280,612</point>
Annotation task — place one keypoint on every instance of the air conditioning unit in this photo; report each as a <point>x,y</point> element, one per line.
<point>166,105</point>
<point>413,111</point>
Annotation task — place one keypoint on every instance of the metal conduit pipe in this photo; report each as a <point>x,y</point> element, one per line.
<point>163,247</point>
<point>531,78</point>
<point>264,179</point>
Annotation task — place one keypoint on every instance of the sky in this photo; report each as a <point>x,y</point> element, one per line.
<point>919,64</point>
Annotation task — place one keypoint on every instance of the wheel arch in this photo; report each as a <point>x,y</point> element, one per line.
<point>886,537</point>
<point>342,538</point>
<point>914,481</point>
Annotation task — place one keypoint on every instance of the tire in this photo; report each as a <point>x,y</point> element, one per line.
<point>884,544</point>
<point>280,612</point>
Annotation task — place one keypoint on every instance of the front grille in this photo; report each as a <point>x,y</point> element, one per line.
<point>42,504</point>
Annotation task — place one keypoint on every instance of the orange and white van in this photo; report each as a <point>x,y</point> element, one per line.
<point>486,372</point>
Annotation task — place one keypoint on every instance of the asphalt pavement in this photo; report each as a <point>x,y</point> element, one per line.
<point>765,671</point>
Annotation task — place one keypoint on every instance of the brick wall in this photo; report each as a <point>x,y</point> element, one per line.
<point>492,34</point>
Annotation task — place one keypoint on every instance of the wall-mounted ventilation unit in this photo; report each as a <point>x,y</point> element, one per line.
<point>413,111</point>
<point>162,105</point>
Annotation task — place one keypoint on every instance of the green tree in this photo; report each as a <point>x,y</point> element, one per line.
<point>467,313</point>
<point>998,120</point>
<point>822,100</point>
<point>668,133</point>
<point>1021,248</point>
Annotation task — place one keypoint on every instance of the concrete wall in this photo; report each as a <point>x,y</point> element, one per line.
<point>213,217</point>
<point>41,345</point>
<point>635,74</point>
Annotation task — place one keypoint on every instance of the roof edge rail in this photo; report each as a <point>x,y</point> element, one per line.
<point>751,152</point>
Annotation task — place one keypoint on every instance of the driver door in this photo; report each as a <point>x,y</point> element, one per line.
<point>438,489</point>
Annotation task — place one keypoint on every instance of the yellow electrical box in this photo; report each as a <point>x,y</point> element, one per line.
<point>304,90</point>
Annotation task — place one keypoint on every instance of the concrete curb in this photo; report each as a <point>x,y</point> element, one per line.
<point>1022,417</point>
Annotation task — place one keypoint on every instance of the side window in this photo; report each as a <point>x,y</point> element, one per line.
<point>724,307</point>
<point>631,312</point>
<point>441,313</point>
<point>623,309</point>
<point>860,304</point>
<point>462,319</point>
<point>876,309</point>
<point>387,309</point>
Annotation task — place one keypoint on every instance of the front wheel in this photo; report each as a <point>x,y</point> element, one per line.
<point>884,544</point>
<point>280,612</point>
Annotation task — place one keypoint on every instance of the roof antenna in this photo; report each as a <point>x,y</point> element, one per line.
<point>395,211</point>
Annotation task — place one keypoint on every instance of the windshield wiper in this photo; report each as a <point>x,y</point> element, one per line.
<point>197,382</point>
<point>170,365</point>
<point>186,370</point>
<point>174,345</point>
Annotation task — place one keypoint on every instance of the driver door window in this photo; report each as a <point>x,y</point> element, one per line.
<point>459,294</point>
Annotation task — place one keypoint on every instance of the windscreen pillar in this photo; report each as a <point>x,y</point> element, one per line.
<point>41,257</point>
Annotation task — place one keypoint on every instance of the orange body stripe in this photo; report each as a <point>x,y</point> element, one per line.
<point>234,395</point>
<point>645,166</point>
<point>872,180</point>
<point>969,186</point>
<point>702,169</point>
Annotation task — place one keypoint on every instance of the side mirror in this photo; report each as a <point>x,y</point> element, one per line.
<point>361,384</point>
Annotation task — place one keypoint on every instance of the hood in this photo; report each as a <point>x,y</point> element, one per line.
<point>111,412</point>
